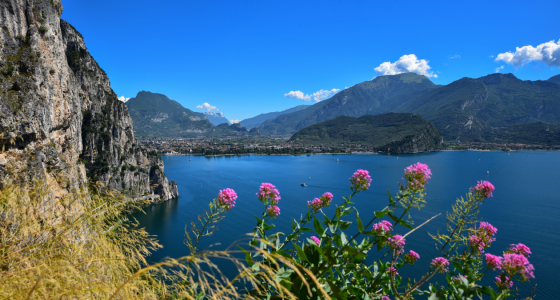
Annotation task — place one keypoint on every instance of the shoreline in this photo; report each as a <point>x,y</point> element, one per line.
<point>352,153</point>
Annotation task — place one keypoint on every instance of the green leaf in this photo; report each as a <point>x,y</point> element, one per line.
<point>301,254</point>
<point>380,214</point>
<point>359,221</point>
<point>248,257</point>
<point>318,227</point>
<point>457,266</point>
<point>345,224</point>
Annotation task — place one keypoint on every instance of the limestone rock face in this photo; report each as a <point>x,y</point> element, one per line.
<point>53,93</point>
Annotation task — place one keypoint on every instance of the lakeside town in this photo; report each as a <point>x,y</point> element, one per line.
<point>279,146</point>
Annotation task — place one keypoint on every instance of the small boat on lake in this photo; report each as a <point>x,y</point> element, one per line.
<point>303,184</point>
<point>487,172</point>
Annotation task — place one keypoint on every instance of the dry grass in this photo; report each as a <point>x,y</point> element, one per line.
<point>79,245</point>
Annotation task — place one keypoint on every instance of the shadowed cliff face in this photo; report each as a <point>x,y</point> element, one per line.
<point>53,93</point>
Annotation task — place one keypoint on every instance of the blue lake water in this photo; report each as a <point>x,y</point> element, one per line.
<point>525,207</point>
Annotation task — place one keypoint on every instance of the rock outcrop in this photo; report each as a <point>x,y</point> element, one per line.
<point>54,96</point>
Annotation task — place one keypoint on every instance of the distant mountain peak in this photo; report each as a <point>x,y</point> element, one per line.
<point>555,79</point>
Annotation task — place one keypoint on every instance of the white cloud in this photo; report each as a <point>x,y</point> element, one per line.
<point>317,96</point>
<point>298,95</point>
<point>207,107</point>
<point>407,63</point>
<point>455,56</point>
<point>123,99</point>
<point>498,69</point>
<point>234,121</point>
<point>548,53</point>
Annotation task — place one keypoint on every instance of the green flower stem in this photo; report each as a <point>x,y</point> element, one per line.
<point>214,211</point>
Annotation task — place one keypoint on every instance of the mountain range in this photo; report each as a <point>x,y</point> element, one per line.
<point>465,110</point>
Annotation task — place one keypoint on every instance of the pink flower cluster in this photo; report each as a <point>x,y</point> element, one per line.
<point>440,264</point>
<point>316,240</point>
<point>360,181</point>
<point>227,198</point>
<point>483,189</point>
<point>411,257</point>
<point>385,298</point>
<point>519,249</point>
<point>417,175</point>
<point>517,264</point>
<point>273,211</point>
<point>396,243</point>
<point>483,237</point>
<point>392,271</point>
<point>319,203</point>
<point>382,227</point>
<point>514,262</point>
<point>268,192</point>
<point>504,285</point>
<point>269,195</point>
<point>493,261</point>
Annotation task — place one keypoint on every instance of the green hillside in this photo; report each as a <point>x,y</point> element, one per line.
<point>379,95</point>
<point>155,115</point>
<point>391,132</point>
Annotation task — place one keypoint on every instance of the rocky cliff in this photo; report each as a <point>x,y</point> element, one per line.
<point>55,99</point>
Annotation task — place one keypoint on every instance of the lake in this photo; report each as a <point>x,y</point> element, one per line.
<point>525,207</point>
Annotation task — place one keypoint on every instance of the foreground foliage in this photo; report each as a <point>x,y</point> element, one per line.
<point>78,244</point>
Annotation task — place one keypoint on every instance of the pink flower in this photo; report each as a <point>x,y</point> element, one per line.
<point>440,264</point>
<point>327,198</point>
<point>488,228</point>
<point>493,261</point>
<point>519,249</point>
<point>396,243</point>
<point>227,198</point>
<point>411,257</point>
<point>273,211</point>
<point>360,181</point>
<point>517,264</point>
<point>417,175</point>
<point>382,227</point>
<point>385,298</point>
<point>315,205</point>
<point>458,278</point>
<point>268,192</point>
<point>392,271</point>
<point>475,241</point>
<point>527,272</point>
<point>316,240</point>
<point>319,203</point>
<point>484,236</point>
<point>483,189</point>
<point>503,285</point>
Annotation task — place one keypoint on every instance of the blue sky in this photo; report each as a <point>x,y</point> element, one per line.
<point>248,57</point>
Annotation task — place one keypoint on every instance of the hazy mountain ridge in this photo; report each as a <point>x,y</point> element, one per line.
<point>216,118</point>
<point>256,121</point>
